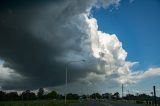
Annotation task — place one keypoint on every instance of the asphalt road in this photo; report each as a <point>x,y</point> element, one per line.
<point>106,103</point>
<point>91,103</point>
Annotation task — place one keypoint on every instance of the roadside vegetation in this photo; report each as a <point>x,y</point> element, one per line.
<point>38,103</point>
<point>41,98</point>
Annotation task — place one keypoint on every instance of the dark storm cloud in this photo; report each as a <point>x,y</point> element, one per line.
<point>38,38</point>
<point>33,34</point>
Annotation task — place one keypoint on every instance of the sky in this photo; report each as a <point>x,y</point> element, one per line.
<point>117,38</point>
<point>137,25</point>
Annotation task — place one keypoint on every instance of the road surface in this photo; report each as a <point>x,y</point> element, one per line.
<point>91,103</point>
<point>106,103</point>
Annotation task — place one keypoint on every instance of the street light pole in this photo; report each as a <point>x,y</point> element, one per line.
<point>66,85</point>
<point>122,91</point>
<point>67,75</point>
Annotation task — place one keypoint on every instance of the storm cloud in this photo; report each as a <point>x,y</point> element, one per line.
<point>34,36</point>
<point>38,38</point>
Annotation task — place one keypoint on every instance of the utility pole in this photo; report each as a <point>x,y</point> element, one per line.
<point>155,101</point>
<point>122,91</point>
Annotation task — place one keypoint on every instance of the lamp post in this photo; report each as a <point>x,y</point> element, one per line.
<point>122,91</point>
<point>67,75</point>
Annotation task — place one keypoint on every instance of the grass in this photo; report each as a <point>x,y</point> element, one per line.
<point>38,103</point>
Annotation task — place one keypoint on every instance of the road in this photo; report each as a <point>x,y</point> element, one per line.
<point>91,103</point>
<point>106,103</point>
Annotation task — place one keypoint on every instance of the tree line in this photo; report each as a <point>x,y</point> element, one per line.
<point>41,95</point>
<point>29,95</point>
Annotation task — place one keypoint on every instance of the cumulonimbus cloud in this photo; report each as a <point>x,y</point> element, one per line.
<point>38,38</point>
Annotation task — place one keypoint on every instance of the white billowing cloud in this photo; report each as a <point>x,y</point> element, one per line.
<point>106,3</point>
<point>105,46</point>
<point>112,65</point>
<point>135,77</point>
<point>7,74</point>
<point>151,72</point>
<point>108,50</point>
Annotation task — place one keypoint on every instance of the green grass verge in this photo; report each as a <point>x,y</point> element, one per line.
<point>38,103</point>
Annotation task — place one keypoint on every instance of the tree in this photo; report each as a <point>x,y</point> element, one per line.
<point>116,95</point>
<point>12,96</point>
<point>130,97</point>
<point>2,95</point>
<point>106,96</point>
<point>52,95</point>
<point>28,95</point>
<point>40,93</point>
<point>72,96</point>
<point>84,96</point>
<point>95,96</point>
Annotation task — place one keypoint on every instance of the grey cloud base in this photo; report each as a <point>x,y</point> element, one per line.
<point>33,34</point>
